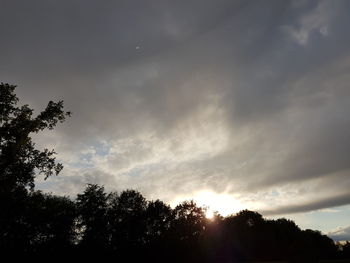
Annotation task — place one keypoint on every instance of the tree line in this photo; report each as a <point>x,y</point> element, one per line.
<point>124,224</point>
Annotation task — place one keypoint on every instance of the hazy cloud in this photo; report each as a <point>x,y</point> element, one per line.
<point>246,98</point>
<point>340,234</point>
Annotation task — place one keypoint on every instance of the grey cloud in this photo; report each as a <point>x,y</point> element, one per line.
<point>334,201</point>
<point>283,102</point>
<point>341,234</point>
<point>97,36</point>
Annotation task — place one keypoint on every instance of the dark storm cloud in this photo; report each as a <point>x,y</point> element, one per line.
<point>224,95</point>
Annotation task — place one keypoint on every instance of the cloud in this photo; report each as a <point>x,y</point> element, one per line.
<point>340,234</point>
<point>312,23</point>
<point>245,98</point>
<point>343,199</point>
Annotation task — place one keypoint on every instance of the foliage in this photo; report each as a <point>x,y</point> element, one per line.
<point>19,160</point>
<point>92,208</point>
<point>28,220</point>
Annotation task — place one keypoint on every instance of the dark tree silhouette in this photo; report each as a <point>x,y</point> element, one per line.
<point>345,250</point>
<point>51,221</point>
<point>20,162</point>
<point>187,230</point>
<point>128,222</point>
<point>93,223</point>
<point>159,217</point>
<point>281,236</point>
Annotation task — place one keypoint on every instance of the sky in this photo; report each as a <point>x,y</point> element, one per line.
<point>235,104</point>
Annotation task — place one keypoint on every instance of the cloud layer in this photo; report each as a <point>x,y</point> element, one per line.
<point>243,98</point>
<point>340,234</point>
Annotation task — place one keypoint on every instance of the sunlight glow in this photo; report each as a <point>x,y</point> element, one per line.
<point>209,214</point>
<point>223,203</point>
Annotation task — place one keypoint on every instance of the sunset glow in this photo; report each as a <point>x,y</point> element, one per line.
<point>223,203</point>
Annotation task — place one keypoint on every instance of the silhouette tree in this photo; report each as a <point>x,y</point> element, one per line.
<point>159,217</point>
<point>92,208</point>
<point>242,235</point>
<point>344,250</point>
<point>127,222</point>
<point>50,222</point>
<point>313,246</point>
<point>20,162</point>
<point>281,237</point>
<point>187,230</point>
<point>212,245</point>
<point>189,221</point>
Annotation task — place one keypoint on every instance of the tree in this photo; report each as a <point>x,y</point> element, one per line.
<point>92,207</point>
<point>187,230</point>
<point>190,220</point>
<point>127,221</point>
<point>345,250</point>
<point>19,160</point>
<point>281,244</point>
<point>50,220</point>
<point>158,219</point>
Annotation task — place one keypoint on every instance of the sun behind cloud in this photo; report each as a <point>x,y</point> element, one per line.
<point>223,203</point>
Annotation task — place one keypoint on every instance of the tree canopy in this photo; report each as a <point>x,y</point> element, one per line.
<point>19,159</point>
